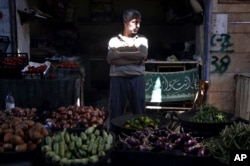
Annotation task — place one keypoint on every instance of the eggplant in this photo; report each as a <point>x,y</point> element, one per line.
<point>145,148</point>
<point>203,151</point>
<point>170,146</point>
<point>191,150</point>
<point>152,138</point>
<point>132,141</point>
<point>190,142</point>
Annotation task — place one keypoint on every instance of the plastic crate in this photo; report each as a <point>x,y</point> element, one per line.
<point>11,65</point>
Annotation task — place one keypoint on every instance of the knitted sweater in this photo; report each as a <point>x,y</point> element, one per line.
<point>126,55</point>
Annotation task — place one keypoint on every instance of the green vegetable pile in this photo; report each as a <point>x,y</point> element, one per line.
<point>209,114</point>
<point>233,137</point>
<point>86,147</point>
<point>141,122</point>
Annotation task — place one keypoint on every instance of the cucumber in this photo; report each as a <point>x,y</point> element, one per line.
<point>46,148</point>
<point>93,158</point>
<point>83,136</point>
<point>48,140</point>
<point>90,129</point>
<point>110,138</point>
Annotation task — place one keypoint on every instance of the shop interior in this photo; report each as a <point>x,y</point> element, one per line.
<point>76,28</point>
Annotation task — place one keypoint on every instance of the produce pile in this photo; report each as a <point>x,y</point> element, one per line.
<point>36,69</point>
<point>141,122</point>
<point>85,147</point>
<point>209,114</point>
<point>14,61</point>
<point>160,140</point>
<point>18,135</point>
<point>76,116</point>
<point>233,137</point>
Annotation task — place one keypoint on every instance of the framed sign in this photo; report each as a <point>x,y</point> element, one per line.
<point>233,1</point>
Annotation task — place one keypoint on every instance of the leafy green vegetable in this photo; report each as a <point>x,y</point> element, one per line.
<point>208,114</point>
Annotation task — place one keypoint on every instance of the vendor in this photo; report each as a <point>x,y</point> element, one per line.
<point>126,55</point>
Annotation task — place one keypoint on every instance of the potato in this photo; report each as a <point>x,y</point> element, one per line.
<point>7,146</point>
<point>5,126</point>
<point>39,141</point>
<point>17,140</point>
<point>30,123</point>
<point>15,122</point>
<point>1,149</point>
<point>1,131</point>
<point>35,135</point>
<point>23,126</point>
<point>8,137</point>
<point>31,146</point>
<point>38,126</point>
<point>19,132</point>
<point>21,147</point>
<point>9,130</point>
<point>44,132</point>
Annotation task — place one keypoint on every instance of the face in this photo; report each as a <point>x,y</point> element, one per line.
<point>132,27</point>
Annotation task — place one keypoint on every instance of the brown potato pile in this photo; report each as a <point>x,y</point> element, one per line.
<point>73,116</point>
<point>18,135</point>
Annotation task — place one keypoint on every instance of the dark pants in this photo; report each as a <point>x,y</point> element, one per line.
<point>126,91</point>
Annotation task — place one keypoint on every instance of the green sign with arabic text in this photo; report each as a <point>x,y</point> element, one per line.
<point>171,86</point>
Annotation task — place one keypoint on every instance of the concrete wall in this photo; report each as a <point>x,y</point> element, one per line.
<point>230,55</point>
<point>5,20</point>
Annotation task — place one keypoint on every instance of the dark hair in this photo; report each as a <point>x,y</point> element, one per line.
<point>130,14</point>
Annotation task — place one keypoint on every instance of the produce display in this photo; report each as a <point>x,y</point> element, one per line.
<point>76,116</point>
<point>141,122</point>
<point>18,135</point>
<point>23,113</point>
<point>159,140</point>
<point>36,69</point>
<point>14,61</point>
<point>82,148</point>
<point>209,114</point>
<point>233,137</point>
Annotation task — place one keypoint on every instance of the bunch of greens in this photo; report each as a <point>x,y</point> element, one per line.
<point>208,114</point>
